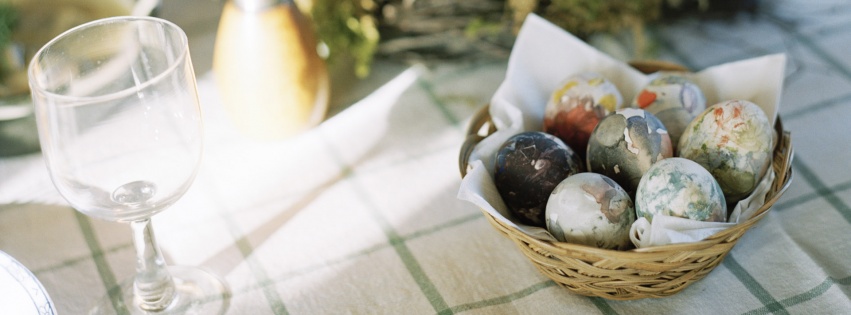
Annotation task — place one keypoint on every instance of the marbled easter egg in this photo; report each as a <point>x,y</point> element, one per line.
<point>591,209</point>
<point>674,99</point>
<point>733,140</point>
<point>575,108</point>
<point>680,187</point>
<point>625,144</point>
<point>529,166</point>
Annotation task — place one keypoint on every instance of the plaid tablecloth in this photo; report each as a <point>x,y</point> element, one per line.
<point>360,214</point>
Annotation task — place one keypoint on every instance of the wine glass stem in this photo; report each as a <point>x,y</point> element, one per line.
<point>153,286</point>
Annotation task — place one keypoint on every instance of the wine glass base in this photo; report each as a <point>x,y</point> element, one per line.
<point>196,292</point>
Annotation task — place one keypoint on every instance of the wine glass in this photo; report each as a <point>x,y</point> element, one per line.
<point>120,127</point>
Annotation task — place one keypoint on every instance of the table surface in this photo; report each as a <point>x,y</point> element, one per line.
<point>360,215</point>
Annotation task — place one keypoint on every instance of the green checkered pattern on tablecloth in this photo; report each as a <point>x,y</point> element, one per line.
<point>367,220</point>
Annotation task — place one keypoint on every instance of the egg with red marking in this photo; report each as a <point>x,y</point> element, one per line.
<point>672,98</point>
<point>625,144</point>
<point>529,166</point>
<point>733,140</point>
<point>575,108</point>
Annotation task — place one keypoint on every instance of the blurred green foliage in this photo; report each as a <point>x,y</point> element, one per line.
<point>585,17</point>
<point>348,29</point>
<point>351,29</point>
<point>8,20</point>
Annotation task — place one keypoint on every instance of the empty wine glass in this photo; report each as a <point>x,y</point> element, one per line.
<point>121,132</point>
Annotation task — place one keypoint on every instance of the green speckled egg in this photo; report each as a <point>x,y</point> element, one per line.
<point>679,187</point>
<point>590,209</point>
<point>733,140</point>
<point>625,144</point>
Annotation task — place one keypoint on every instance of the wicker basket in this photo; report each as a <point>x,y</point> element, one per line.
<point>649,272</point>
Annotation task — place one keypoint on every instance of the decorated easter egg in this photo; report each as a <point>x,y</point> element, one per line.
<point>625,144</point>
<point>733,140</point>
<point>672,98</point>
<point>680,187</point>
<point>590,209</point>
<point>575,108</point>
<point>529,165</point>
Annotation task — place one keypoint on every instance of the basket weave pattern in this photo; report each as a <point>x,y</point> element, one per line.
<point>648,272</point>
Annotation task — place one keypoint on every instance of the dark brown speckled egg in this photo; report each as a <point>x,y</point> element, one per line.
<point>529,166</point>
